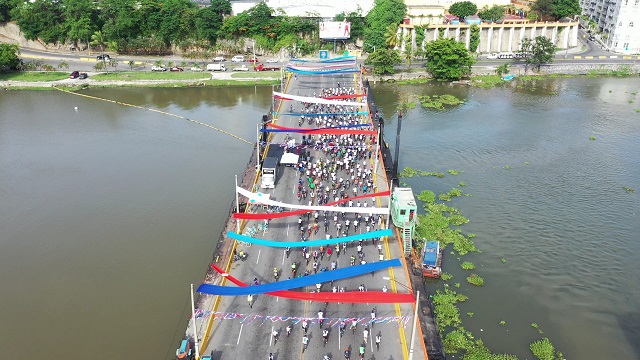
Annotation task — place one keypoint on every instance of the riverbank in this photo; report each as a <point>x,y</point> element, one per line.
<point>101,80</point>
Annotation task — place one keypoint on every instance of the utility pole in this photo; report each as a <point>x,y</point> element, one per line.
<point>397,154</point>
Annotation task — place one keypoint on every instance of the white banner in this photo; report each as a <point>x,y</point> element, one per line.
<point>335,30</point>
<point>315,100</point>
<point>261,198</point>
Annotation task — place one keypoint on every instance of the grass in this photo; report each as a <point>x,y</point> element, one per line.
<point>34,76</point>
<point>486,81</point>
<point>144,75</point>
<point>592,137</point>
<point>258,74</point>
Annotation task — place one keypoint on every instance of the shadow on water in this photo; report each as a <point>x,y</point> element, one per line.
<point>630,324</point>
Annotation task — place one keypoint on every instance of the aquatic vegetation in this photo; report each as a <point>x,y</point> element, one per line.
<point>502,322</point>
<point>458,220</point>
<point>481,352</point>
<point>470,314</point>
<point>417,81</point>
<point>486,81</point>
<point>457,285</point>
<point>503,260</point>
<point>452,193</point>
<point>638,110</point>
<point>507,167</point>
<point>453,172</point>
<point>526,163</point>
<point>462,184</point>
<point>427,196</point>
<point>544,350</point>
<point>628,189</point>
<point>445,309</point>
<point>409,173</point>
<point>438,102</point>
<point>475,279</point>
<point>456,340</point>
<point>467,265</point>
<point>592,137</point>
<point>446,276</point>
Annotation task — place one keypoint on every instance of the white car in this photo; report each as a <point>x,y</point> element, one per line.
<point>272,61</point>
<point>238,58</point>
<point>241,68</point>
<point>219,58</point>
<point>195,68</point>
<point>158,68</point>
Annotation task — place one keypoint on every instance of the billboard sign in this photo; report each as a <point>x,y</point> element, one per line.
<point>335,30</point>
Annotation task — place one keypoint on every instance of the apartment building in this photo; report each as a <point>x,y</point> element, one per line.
<point>619,22</point>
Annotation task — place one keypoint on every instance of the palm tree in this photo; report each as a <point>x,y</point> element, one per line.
<point>392,38</point>
<point>131,63</point>
<point>97,39</point>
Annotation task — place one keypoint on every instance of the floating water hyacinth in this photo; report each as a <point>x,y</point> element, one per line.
<point>467,265</point>
<point>475,279</point>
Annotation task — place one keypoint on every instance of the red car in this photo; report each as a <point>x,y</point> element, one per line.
<point>74,75</point>
<point>253,59</point>
<point>176,68</point>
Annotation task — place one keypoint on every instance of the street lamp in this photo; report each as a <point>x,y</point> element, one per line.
<point>415,314</point>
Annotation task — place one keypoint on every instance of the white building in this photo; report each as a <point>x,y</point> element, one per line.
<point>326,9</point>
<point>619,21</point>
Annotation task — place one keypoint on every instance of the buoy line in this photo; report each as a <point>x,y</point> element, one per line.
<point>158,111</point>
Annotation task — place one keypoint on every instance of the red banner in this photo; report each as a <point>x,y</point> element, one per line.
<point>359,297</point>
<point>351,96</point>
<point>265,216</point>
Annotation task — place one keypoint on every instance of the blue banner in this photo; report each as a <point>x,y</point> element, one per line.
<point>299,282</point>
<point>297,244</point>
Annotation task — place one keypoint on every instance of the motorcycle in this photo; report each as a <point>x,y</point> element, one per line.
<point>240,256</point>
<point>276,274</point>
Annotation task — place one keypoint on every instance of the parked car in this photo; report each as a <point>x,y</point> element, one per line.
<point>196,68</point>
<point>176,68</point>
<point>253,59</point>
<point>103,57</point>
<point>272,61</point>
<point>241,68</point>
<point>238,58</point>
<point>158,68</point>
<point>83,76</point>
<point>219,58</point>
<point>74,75</point>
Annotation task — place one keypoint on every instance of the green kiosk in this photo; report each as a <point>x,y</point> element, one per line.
<point>403,214</point>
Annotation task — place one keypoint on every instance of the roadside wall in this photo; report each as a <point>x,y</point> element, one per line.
<point>10,34</point>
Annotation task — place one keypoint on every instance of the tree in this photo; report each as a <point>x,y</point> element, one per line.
<point>543,7</point>
<point>503,69</point>
<point>209,20</point>
<point>463,9</point>
<point>391,36</point>
<point>383,14</point>
<point>494,13</point>
<point>98,40</point>
<point>538,51</point>
<point>63,65</point>
<point>6,6</point>
<point>80,19</point>
<point>40,19</point>
<point>566,8</point>
<point>474,37</point>
<point>448,59</point>
<point>131,64</point>
<point>383,60</point>
<point>9,57</point>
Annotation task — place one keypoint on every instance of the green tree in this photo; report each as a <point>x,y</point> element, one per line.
<point>463,9</point>
<point>131,64</point>
<point>493,13</point>
<point>503,69</point>
<point>566,8</point>
<point>9,57</point>
<point>474,37</point>
<point>40,19</point>
<point>544,7</point>
<point>538,51</point>
<point>97,39</point>
<point>80,19</point>
<point>392,37</point>
<point>448,59</point>
<point>63,65</point>
<point>383,14</point>
<point>209,19</point>
<point>6,6</point>
<point>383,60</point>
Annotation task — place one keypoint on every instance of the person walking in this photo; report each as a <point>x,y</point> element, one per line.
<point>366,334</point>
<point>329,252</point>
<point>378,339</point>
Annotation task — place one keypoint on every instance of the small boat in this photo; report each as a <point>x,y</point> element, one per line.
<point>508,77</point>
<point>184,351</point>
<point>432,260</point>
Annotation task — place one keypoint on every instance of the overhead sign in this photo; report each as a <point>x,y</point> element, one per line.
<point>335,30</point>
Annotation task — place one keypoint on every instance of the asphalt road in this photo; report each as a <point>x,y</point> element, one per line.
<point>232,340</point>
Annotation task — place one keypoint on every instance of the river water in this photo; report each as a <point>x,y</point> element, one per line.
<point>109,212</point>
